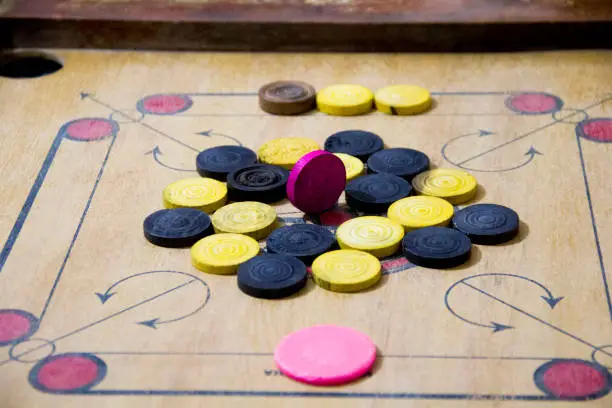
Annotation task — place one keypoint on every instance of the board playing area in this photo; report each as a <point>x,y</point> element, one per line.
<point>91,314</point>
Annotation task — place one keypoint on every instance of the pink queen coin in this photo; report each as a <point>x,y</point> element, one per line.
<point>325,355</point>
<point>316,182</point>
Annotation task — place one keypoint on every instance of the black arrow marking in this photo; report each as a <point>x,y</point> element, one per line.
<point>550,299</point>
<point>156,152</point>
<point>153,323</point>
<point>210,133</point>
<point>113,315</point>
<point>150,323</point>
<point>496,327</point>
<point>479,133</point>
<point>544,322</point>
<point>105,296</point>
<point>532,152</point>
<point>536,130</point>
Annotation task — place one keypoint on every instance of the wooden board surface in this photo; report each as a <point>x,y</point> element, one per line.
<point>85,155</point>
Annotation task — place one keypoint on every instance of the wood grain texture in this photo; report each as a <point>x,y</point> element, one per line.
<point>315,37</point>
<point>431,358</point>
<point>316,25</point>
<point>336,11</point>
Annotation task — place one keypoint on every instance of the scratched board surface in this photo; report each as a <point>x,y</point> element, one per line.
<point>93,315</point>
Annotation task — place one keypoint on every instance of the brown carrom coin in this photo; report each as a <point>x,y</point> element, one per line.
<point>287,97</point>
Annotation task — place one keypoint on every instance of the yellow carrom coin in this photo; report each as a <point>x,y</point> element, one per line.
<point>345,100</point>
<point>286,151</point>
<point>378,236</point>
<point>201,193</point>
<point>421,211</point>
<point>346,270</point>
<point>251,218</point>
<point>353,166</point>
<point>455,186</point>
<point>402,100</point>
<point>222,254</point>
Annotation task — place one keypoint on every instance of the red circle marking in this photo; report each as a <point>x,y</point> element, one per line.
<point>13,326</point>
<point>66,373</point>
<point>394,263</point>
<point>599,130</point>
<point>165,104</point>
<point>334,218</point>
<point>534,103</point>
<point>573,379</point>
<point>90,129</point>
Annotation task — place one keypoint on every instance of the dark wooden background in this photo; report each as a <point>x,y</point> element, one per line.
<point>316,25</point>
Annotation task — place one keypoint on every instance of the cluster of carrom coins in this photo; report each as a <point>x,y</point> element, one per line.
<point>404,205</point>
<point>294,98</point>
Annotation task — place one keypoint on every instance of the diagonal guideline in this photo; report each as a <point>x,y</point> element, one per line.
<point>536,130</point>
<point>540,320</point>
<point>602,266</point>
<point>103,319</point>
<point>85,95</point>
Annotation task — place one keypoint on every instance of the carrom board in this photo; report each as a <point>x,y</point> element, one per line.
<point>93,315</point>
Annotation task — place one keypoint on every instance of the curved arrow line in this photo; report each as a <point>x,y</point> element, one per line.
<point>85,95</point>
<point>445,146</point>
<point>533,131</point>
<point>548,292</point>
<point>89,325</point>
<point>107,294</point>
<point>551,300</point>
<point>544,322</point>
<point>238,142</point>
<point>206,299</point>
<point>156,152</point>
<point>210,133</point>
<point>450,309</point>
<point>531,153</point>
<point>529,160</point>
<point>136,275</point>
<point>152,323</point>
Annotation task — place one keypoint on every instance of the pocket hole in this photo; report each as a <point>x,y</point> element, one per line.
<point>28,65</point>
